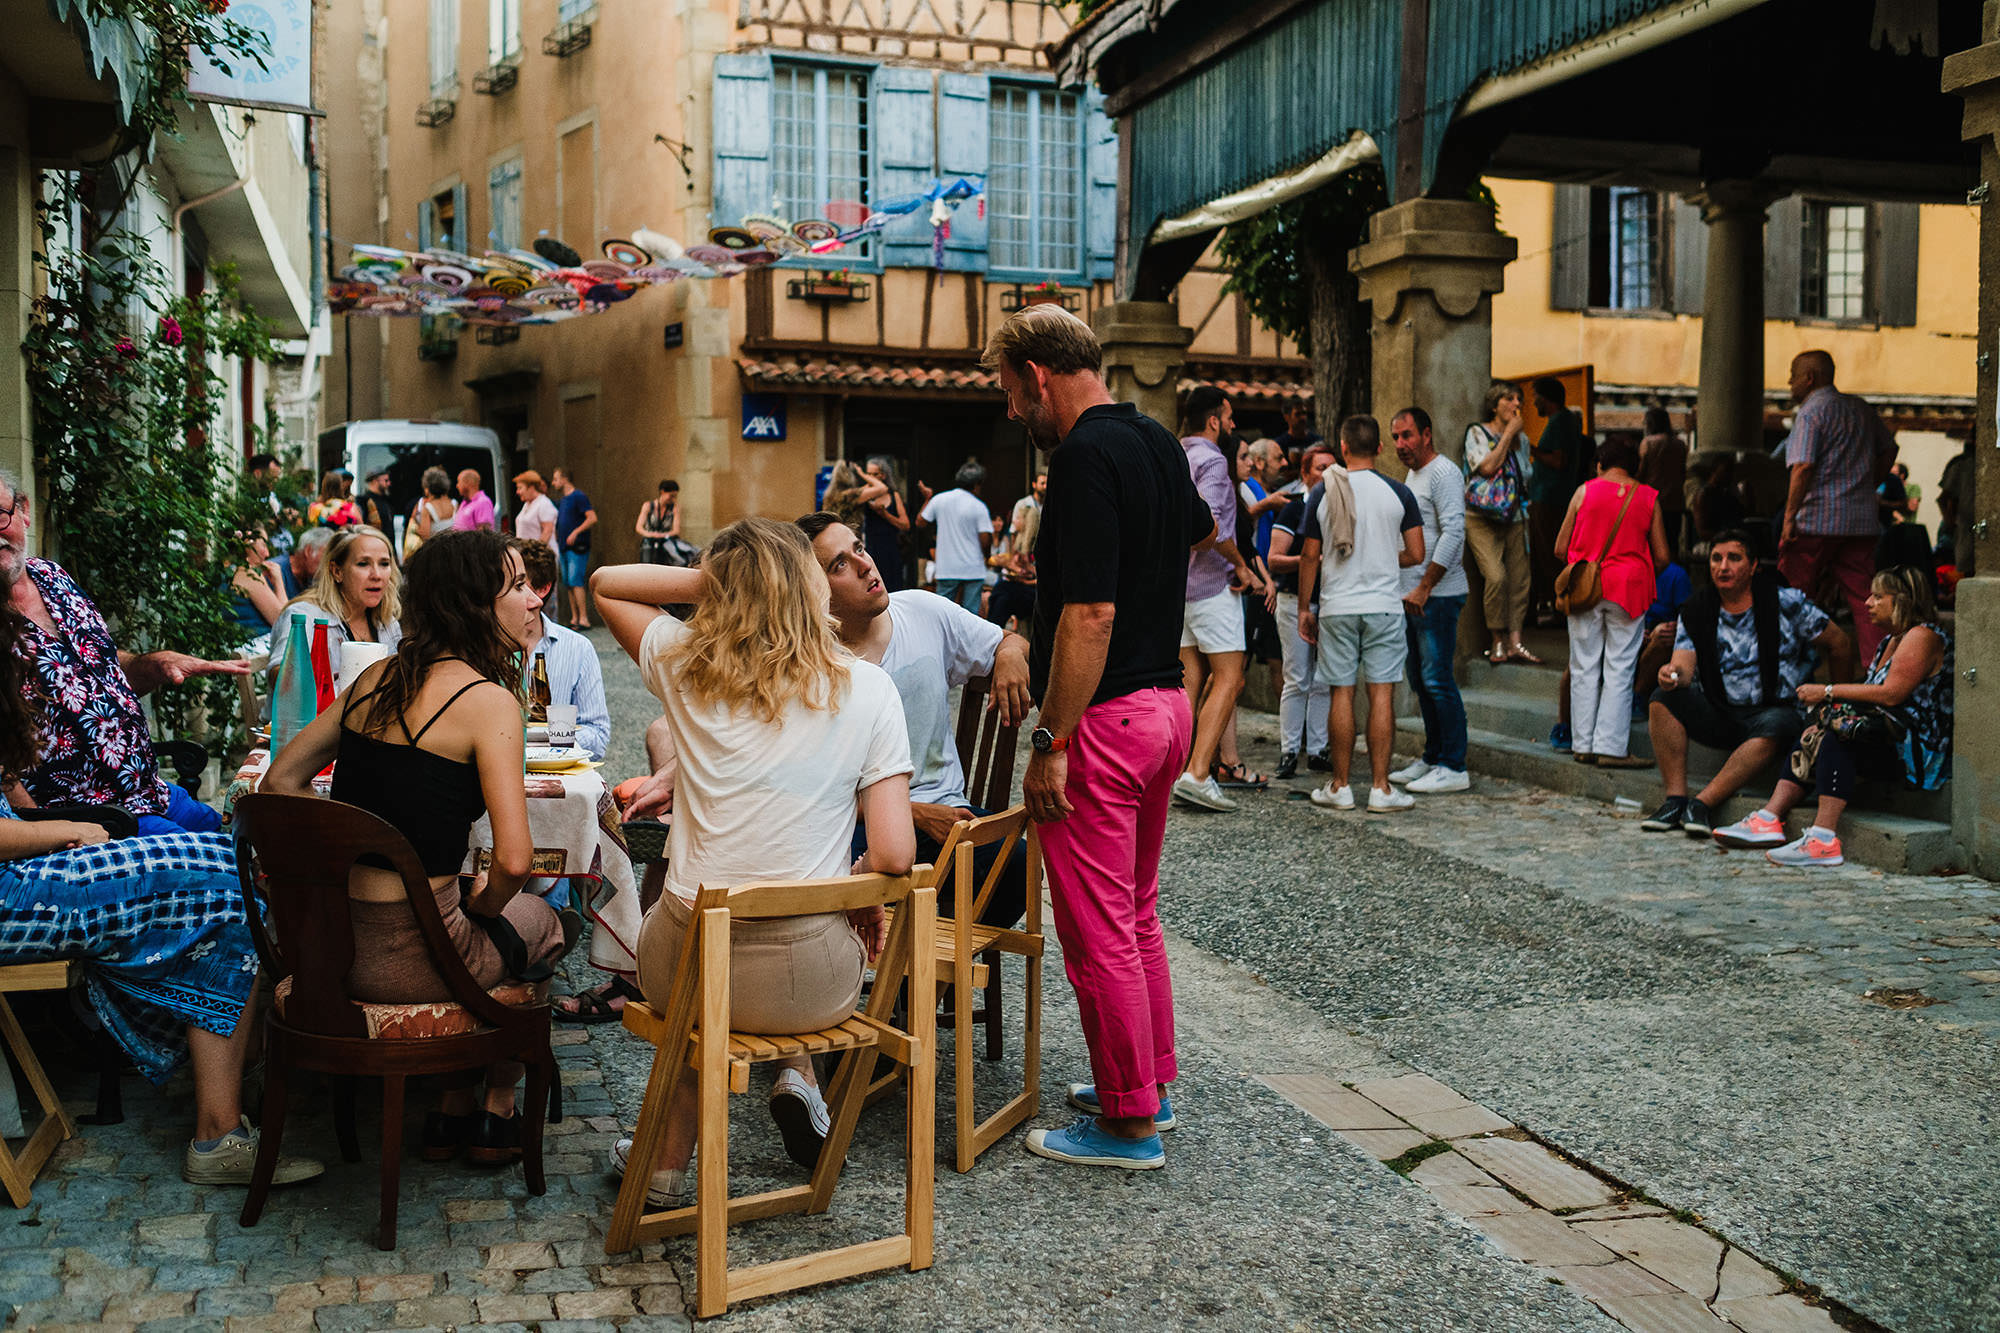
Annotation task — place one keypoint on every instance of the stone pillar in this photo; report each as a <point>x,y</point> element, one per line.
<point>1430,268</point>
<point>1974,74</point>
<point>18,243</point>
<point>1144,345</point>
<point>1729,409</point>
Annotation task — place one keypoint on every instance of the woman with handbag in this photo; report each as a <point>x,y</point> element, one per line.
<point>1496,519</point>
<point>1614,542</point>
<point>1896,720</point>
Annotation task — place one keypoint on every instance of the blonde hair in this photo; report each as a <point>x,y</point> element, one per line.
<point>1047,335</point>
<point>325,590</point>
<point>1910,599</point>
<point>843,491</point>
<point>761,635</point>
<point>1496,392</point>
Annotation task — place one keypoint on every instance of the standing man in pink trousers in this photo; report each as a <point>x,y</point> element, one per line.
<point>1120,518</point>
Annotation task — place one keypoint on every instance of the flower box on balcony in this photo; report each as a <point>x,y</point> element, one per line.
<point>497,79</point>
<point>1018,297</point>
<point>827,287</point>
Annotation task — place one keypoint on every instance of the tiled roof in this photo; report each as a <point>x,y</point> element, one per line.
<point>887,374</point>
<point>1266,384</point>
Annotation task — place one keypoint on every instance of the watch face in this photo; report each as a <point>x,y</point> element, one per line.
<point>1041,739</point>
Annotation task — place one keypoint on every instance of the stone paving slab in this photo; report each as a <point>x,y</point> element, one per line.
<point>1621,1278</point>
<point>1533,1170</point>
<point>1539,1238</point>
<point>1677,1313</point>
<point>1326,1100</point>
<point>1686,1256</point>
<point>1775,1314</point>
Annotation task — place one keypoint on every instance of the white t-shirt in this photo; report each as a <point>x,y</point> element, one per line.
<point>1368,582</point>
<point>935,645</point>
<point>757,800</point>
<point>960,517</point>
<point>528,523</point>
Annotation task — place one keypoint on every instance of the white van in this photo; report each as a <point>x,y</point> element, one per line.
<point>406,449</point>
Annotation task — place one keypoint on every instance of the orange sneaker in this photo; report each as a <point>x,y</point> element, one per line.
<point>1758,830</point>
<point>1809,850</point>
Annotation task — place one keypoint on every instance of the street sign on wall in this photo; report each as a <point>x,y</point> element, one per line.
<point>283,81</point>
<point>763,416</point>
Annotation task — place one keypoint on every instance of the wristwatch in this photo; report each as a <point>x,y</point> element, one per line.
<point>1045,741</point>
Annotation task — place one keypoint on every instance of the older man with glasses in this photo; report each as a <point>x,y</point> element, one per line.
<point>95,746</point>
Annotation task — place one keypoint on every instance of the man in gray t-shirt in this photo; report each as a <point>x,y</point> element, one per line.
<point>1433,598</point>
<point>930,646</point>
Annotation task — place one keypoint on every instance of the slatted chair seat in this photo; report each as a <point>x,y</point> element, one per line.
<point>698,1005</point>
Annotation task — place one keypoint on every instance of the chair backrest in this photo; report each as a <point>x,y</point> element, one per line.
<point>293,858</point>
<point>985,748</point>
<point>1006,828</point>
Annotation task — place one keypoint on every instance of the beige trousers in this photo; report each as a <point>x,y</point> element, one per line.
<point>1501,552</point>
<point>798,974</point>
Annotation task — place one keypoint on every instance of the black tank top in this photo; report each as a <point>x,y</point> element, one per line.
<point>431,800</point>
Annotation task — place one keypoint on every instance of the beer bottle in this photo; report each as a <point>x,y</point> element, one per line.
<point>538,691</point>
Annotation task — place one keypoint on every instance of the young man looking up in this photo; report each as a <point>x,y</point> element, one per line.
<point>1434,596</point>
<point>1351,605</point>
<point>930,646</point>
<point>1212,629</point>
<point>1121,517</point>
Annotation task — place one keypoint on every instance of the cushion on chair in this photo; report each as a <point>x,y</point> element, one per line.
<point>431,1018</point>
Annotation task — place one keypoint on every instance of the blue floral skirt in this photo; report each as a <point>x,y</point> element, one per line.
<point>157,924</point>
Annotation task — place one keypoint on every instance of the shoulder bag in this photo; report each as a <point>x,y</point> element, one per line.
<point>1499,497</point>
<point>1580,586</point>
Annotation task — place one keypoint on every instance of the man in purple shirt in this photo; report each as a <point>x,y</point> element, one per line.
<point>1839,452</point>
<point>475,509</point>
<point>1212,646</point>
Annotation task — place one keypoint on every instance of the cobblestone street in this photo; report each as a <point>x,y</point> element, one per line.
<point>1688,1028</point>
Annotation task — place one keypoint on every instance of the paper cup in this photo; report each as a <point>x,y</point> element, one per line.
<point>562,726</point>
<point>356,658</point>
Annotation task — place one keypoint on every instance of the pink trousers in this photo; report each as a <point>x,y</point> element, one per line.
<point>1103,863</point>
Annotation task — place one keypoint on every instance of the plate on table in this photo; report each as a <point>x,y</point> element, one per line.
<point>549,759</point>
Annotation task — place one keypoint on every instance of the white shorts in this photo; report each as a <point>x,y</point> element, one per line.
<point>1214,624</point>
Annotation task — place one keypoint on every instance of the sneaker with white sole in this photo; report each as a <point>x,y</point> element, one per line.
<point>1084,1144</point>
<point>1438,781</point>
<point>1759,830</point>
<point>1382,801</point>
<point>1202,792</point>
<point>1083,1096</point>
<point>1410,772</point>
<point>1329,797</point>
<point>232,1160</point>
<point>667,1189</point>
<point>1816,848</point>
<point>803,1121</point>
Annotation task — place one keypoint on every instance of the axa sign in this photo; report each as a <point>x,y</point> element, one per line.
<point>763,416</point>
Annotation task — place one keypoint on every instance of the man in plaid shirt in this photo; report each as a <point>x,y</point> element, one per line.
<point>1839,453</point>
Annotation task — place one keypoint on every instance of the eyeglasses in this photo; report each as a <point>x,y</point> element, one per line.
<point>14,505</point>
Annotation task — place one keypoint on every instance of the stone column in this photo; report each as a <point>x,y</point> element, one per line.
<point>1729,408</point>
<point>1430,268</point>
<point>1974,74</point>
<point>1144,345</point>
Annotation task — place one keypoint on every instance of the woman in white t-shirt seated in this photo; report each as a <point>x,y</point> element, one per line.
<point>779,731</point>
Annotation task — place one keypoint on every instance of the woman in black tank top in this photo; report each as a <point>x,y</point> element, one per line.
<point>430,740</point>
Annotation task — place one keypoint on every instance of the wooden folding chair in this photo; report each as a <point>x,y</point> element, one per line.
<point>18,1172</point>
<point>300,919</point>
<point>694,1029</point>
<point>987,750</point>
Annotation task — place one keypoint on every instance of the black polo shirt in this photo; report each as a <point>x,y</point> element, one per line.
<point>1121,513</point>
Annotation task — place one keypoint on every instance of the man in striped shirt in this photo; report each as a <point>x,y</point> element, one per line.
<point>1838,453</point>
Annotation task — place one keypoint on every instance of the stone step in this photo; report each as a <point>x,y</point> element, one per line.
<point>1870,836</point>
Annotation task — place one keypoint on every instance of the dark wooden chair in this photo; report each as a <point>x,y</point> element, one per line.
<point>187,759</point>
<point>987,750</point>
<point>293,855</point>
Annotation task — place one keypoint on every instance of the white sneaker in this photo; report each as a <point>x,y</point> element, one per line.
<point>1329,797</point>
<point>667,1189</point>
<point>1381,800</point>
<point>1204,793</point>
<point>1410,772</point>
<point>801,1114</point>
<point>1439,779</point>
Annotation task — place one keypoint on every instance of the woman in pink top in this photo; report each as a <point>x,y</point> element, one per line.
<point>1604,640</point>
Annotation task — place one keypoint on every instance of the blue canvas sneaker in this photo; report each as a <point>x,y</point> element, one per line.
<point>1083,1096</point>
<point>1084,1144</point>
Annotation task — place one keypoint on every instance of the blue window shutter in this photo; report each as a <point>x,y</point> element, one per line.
<point>742,138</point>
<point>962,151</point>
<point>1100,152</point>
<point>461,233</point>
<point>901,138</point>
<point>426,223</point>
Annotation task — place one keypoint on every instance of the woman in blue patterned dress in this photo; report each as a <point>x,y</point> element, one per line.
<point>1903,708</point>
<point>156,924</point>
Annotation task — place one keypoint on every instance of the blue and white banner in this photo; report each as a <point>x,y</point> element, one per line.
<point>283,81</point>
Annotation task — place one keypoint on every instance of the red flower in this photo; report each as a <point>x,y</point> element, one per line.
<point>170,328</point>
<point>127,350</point>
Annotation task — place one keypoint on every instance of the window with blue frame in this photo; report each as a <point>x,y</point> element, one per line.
<point>819,141</point>
<point>503,197</point>
<point>1034,185</point>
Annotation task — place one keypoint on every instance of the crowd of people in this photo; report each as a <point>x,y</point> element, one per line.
<point>805,725</point>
